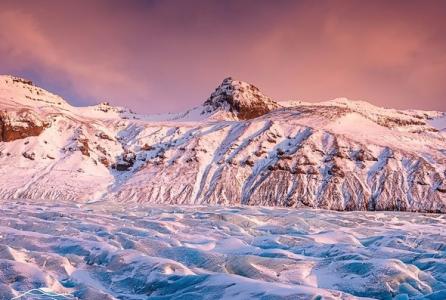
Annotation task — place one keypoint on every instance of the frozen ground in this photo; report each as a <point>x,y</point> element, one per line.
<point>166,252</point>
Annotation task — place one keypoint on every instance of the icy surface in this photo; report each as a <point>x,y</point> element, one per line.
<point>439,123</point>
<point>104,251</point>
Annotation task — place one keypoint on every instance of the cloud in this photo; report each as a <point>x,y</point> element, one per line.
<point>26,44</point>
<point>159,56</point>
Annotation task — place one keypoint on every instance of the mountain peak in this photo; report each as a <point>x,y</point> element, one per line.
<point>242,99</point>
<point>15,79</point>
<point>295,155</point>
<point>17,90</point>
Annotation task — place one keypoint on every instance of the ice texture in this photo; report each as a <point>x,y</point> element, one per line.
<point>109,251</point>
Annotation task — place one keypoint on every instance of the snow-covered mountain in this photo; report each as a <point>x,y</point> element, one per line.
<point>239,147</point>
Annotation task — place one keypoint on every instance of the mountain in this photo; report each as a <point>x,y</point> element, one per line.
<point>239,100</point>
<point>238,147</point>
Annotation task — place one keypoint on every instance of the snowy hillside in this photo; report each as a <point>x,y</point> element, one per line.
<point>239,147</point>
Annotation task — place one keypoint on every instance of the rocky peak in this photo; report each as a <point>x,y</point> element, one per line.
<point>107,107</point>
<point>242,99</point>
<point>14,79</point>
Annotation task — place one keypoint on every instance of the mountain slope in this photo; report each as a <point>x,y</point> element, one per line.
<point>239,147</point>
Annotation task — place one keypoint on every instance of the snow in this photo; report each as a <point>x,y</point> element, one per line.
<point>439,123</point>
<point>170,252</point>
<point>75,224</point>
<point>323,155</point>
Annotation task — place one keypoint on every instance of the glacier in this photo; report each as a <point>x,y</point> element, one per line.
<point>241,197</point>
<point>103,251</point>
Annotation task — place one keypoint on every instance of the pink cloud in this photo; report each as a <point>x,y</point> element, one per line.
<point>169,55</point>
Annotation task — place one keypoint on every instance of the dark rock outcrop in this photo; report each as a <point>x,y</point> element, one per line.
<point>244,100</point>
<point>20,125</point>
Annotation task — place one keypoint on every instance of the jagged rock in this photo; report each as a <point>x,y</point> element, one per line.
<point>249,162</point>
<point>104,161</point>
<point>123,166</point>
<point>19,125</point>
<point>101,149</point>
<point>84,148</point>
<point>244,100</point>
<point>129,157</point>
<point>147,147</point>
<point>21,80</point>
<point>30,156</point>
<point>126,161</point>
<point>393,122</point>
<point>104,136</point>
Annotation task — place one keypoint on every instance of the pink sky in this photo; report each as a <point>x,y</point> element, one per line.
<point>158,56</point>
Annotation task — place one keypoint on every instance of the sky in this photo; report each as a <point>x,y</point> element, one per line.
<point>167,55</point>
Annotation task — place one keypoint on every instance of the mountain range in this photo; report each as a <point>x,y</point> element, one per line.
<point>238,147</point>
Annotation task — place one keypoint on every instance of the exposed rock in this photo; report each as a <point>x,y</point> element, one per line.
<point>147,147</point>
<point>19,125</point>
<point>104,136</point>
<point>394,122</point>
<point>126,161</point>
<point>244,100</point>
<point>30,156</point>
<point>122,166</point>
<point>84,148</point>
<point>21,80</point>
<point>104,161</point>
<point>129,157</point>
<point>101,149</point>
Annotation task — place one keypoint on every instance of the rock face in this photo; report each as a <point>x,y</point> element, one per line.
<point>19,125</point>
<point>243,100</point>
<point>340,154</point>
